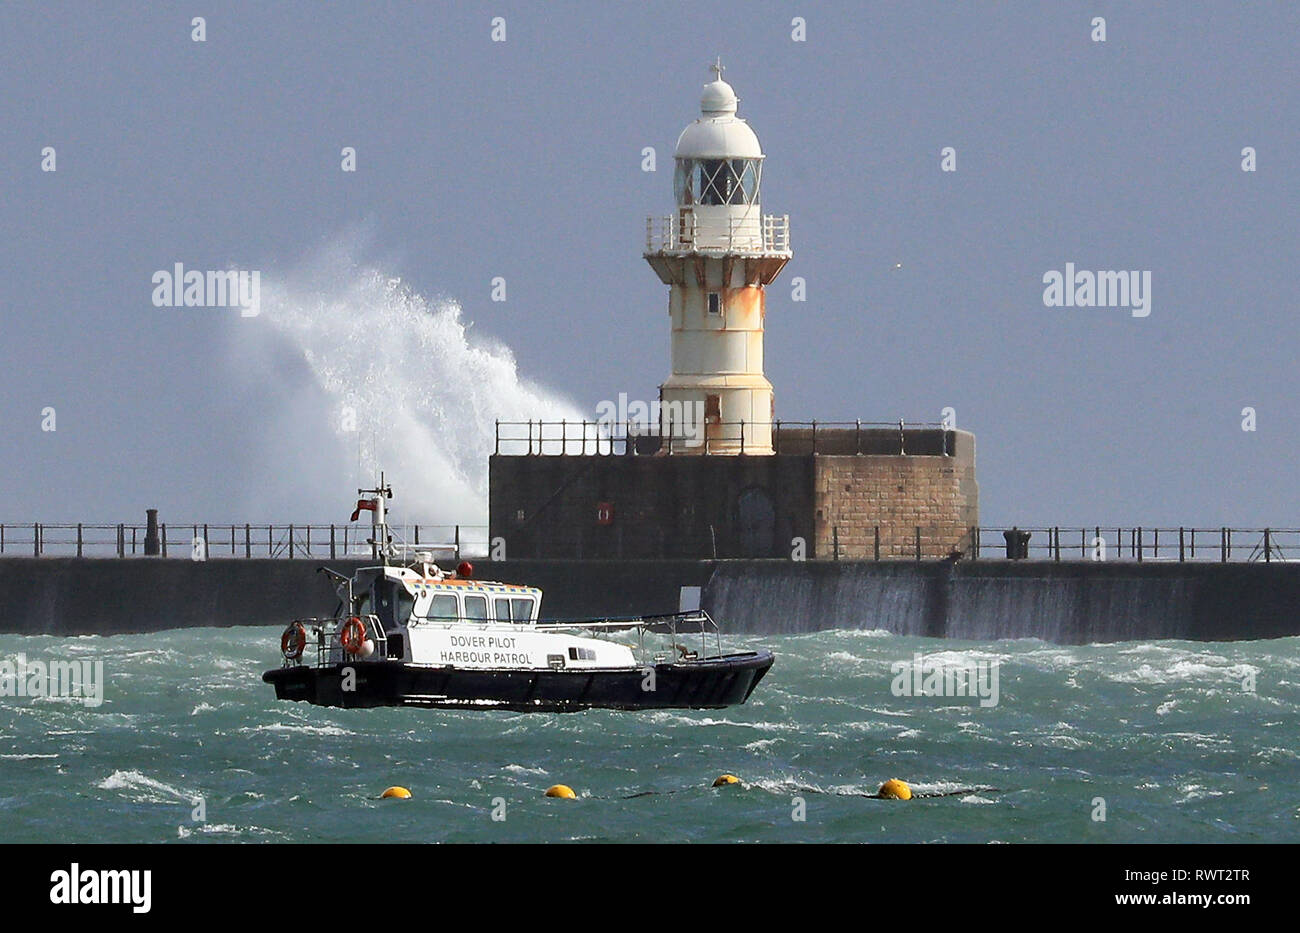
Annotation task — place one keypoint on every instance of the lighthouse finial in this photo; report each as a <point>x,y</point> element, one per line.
<point>717,69</point>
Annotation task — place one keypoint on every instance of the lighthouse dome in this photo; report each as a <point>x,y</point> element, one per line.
<point>718,139</point>
<point>719,99</point>
<point>718,133</point>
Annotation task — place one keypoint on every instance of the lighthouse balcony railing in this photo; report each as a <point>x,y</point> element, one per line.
<point>663,434</point>
<point>684,232</point>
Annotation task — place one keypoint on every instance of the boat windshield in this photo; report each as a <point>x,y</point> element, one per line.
<point>405,605</point>
<point>392,603</point>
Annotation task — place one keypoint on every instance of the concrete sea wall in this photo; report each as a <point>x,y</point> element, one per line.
<point>1068,602</point>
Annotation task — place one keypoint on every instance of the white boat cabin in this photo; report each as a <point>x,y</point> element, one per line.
<point>442,620</point>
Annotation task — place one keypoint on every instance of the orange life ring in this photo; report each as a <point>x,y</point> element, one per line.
<point>294,641</point>
<point>353,635</point>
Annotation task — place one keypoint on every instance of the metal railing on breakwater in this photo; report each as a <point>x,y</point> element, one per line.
<point>242,541</point>
<point>1097,543</point>
<point>1140,544</point>
<point>313,541</point>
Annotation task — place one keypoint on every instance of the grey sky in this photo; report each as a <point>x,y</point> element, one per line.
<point>522,159</point>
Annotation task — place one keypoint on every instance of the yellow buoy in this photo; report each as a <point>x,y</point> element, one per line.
<point>563,791</point>
<point>401,793</point>
<point>894,789</point>
<point>725,779</point>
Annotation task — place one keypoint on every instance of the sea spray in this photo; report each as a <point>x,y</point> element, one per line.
<point>385,379</point>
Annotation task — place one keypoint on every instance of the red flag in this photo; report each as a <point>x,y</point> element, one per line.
<point>368,505</point>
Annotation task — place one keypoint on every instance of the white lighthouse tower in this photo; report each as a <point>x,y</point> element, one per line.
<point>717,254</point>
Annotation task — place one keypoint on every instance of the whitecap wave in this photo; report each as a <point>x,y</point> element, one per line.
<point>143,789</point>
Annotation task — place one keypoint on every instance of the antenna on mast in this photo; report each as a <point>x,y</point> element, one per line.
<point>380,540</point>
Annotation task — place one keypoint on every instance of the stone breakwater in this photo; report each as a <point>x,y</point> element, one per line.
<point>1067,602</point>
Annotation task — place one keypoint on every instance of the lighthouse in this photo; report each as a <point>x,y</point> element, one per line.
<point>723,479</point>
<point>717,253</point>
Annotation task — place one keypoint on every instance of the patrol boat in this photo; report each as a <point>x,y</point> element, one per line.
<point>416,635</point>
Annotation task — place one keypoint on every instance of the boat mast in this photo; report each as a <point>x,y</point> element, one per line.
<point>379,539</point>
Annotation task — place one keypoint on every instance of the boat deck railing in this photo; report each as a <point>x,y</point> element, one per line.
<point>329,649</point>
<point>678,626</point>
<point>672,624</point>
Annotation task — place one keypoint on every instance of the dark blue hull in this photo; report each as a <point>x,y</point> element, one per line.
<point>708,683</point>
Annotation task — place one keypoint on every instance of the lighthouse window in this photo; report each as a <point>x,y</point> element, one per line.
<point>720,184</point>
<point>748,172</point>
<point>681,182</point>
<point>717,181</point>
<point>700,182</point>
<point>715,303</point>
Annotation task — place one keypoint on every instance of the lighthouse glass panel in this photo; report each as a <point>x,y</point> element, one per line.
<point>748,171</point>
<point>680,185</point>
<point>717,181</point>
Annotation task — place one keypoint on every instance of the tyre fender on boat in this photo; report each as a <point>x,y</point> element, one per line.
<point>353,635</point>
<point>294,641</point>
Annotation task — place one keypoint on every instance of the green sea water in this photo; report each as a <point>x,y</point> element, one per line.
<point>1168,741</point>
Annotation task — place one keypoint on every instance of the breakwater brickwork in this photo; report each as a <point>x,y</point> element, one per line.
<point>826,492</point>
<point>891,506</point>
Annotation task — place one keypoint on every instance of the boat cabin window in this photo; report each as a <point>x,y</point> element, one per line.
<point>476,608</point>
<point>382,597</point>
<point>386,602</point>
<point>443,608</point>
<point>405,604</point>
<point>515,609</point>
